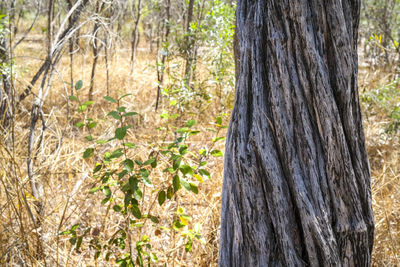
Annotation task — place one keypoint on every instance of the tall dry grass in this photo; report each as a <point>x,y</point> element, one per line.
<point>67,177</point>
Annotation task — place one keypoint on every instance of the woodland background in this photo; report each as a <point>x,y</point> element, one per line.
<point>113,117</point>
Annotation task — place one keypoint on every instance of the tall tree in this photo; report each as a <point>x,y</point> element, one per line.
<point>297,182</point>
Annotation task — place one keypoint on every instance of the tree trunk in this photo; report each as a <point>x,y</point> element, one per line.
<point>297,182</point>
<point>135,33</point>
<point>161,66</point>
<point>96,49</point>
<point>189,43</point>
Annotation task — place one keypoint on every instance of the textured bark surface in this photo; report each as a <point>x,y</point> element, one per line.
<point>296,183</point>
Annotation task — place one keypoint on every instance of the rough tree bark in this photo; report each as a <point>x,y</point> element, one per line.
<point>297,182</point>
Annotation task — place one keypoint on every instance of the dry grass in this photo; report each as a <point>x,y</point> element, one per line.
<point>67,178</point>
<point>384,157</point>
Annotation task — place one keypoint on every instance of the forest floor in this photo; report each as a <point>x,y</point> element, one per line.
<point>67,177</point>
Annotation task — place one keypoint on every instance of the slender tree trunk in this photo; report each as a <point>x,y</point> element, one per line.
<point>189,43</point>
<point>50,16</point>
<point>46,65</point>
<point>96,49</point>
<point>5,90</point>
<point>296,182</point>
<point>135,34</point>
<point>107,65</point>
<point>161,69</point>
<point>71,53</point>
<point>151,38</point>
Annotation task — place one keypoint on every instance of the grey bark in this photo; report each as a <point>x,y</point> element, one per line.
<point>189,43</point>
<point>46,65</point>
<point>296,182</point>
<point>135,32</point>
<point>161,65</point>
<point>6,96</point>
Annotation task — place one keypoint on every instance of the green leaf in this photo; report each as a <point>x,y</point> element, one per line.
<point>116,154</point>
<point>67,232</point>
<point>216,153</point>
<point>117,208</point>
<point>183,149</point>
<point>218,138</point>
<point>185,184</point>
<point>89,138</point>
<point>161,197</point>
<point>127,199</point>
<point>82,108</point>
<point>129,145</point>
<point>92,125</point>
<point>72,240</point>
<point>121,109</point>
<point>219,120</point>
<point>188,246</point>
<point>79,124</point>
<point>122,174</point>
<point>104,201</point>
<point>107,257</point>
<point>177,225</point>
<point>136,211</point>
<point>170,192</point>
<point>114,114</point>
<point>74,227</point>
<point>128,165</point>
<point>182,130</point>
<point>145,175</point>
<point>97,168</point>
<point>88,103</point>
<point>125,95</point>
<point>203,152</point>
<point>107,191</point>
<point>138,194</point>
<point>149,161</point>
<point>89,152</point>
<point>193,133</point>
<point>79,243</point>
<point>133,183</point>
<point>120,133</point>
<point>78,85</point>
<point>94,189</point>
<point>190,123</point>
<point>204,172</point>
<point>73,98</point>
<point>186,170</point>
<point>129,114</point>
<point>176,163</point>
<point>194,188</point>
<point>154,219</point>
<point>176,183</point>
<point>110,99</point>
<point>153,257</point>
<point>154,164</point>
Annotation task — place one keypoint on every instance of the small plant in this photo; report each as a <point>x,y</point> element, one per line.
<point>385,100</point>
<point>130,188</point>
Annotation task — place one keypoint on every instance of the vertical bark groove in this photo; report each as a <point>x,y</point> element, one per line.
<point>296,183</point>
